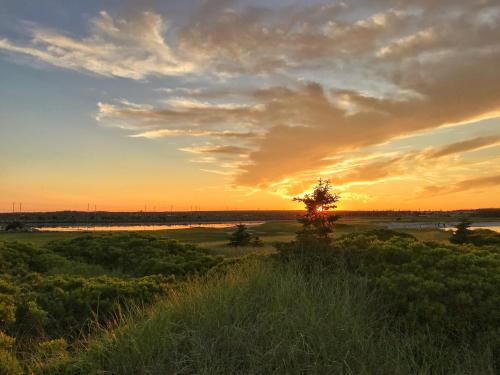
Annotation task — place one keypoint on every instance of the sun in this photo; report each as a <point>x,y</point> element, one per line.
<point>319,209</point>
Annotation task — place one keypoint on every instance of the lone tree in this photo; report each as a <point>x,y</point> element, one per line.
<point>240,236</point>
<point>463,233</point>
<point>318,222</point>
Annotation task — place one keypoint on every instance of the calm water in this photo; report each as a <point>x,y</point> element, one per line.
<point>494,226</point>
<point>121,228</point>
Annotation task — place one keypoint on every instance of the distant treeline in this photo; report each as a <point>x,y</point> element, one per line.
<point>103,217</point>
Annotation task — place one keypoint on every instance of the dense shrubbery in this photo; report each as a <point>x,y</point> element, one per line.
<point>135,255</point>
<point>59,290</point>
<point>452,288</point>
<point>263,317</point>
<point>60,306</point>
<point>484,237</point>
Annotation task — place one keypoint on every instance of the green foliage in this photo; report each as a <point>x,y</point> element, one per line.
<point>450,288</point>
<point>317,223</point>
<point>265,318</point>
<point>484,237</point>
<point>136,255</point>
<point>31,319</point>
<point>6,342</point>
<point>380,234</point>
<point>49,355</point>
<point>59,291</point>
<point>14,225</point>
<point>9,365</point>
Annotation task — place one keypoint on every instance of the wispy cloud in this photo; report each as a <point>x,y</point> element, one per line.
<point>131,48</point>
<point>463,146</point>
<point>463,185</point>
<point>230,150</point>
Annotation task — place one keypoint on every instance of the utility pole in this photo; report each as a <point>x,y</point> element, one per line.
<point>13,207</point>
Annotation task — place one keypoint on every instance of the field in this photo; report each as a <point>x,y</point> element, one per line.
<point>182,301</point>
<point>214,238</point>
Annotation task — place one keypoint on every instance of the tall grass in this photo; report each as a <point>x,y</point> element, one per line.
<point>267,318</point>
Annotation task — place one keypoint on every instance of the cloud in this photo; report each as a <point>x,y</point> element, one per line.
<point>198,117</point>
<point>283,37</point>
<point>421,40</point>
<point>359,169</point>
<point>464,185</point>
<point>131,48</point>
<point>161,133</point>
<point>309,126</point>
<point>231,150</point>
<point>464,146</point>
<point>221,37</point>
<point>296,91</point>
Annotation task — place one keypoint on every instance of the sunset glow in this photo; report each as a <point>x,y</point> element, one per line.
<point>223,105</point>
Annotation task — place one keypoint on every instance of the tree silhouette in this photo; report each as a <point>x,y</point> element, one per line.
<point>14,225</point>
<point>318,222</point>
<point>462,234</point>
<point>240,236</point>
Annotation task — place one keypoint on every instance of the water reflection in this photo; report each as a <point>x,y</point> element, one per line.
<point>139,228</point>
<point>494,226</point>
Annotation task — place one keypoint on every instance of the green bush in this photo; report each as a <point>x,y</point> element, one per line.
<point>450,288</point>
<point>380,234</point>
<point>484,237</point>
<point>136,255</point>
<point>19,259</point>
<point>47,293</point>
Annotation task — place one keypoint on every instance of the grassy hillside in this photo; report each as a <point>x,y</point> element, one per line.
<point>264,317</point>
<point>373,302</point>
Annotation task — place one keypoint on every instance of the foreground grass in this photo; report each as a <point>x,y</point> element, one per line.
<point>261,317</point>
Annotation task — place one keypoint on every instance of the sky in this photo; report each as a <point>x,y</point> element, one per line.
<point>215,105</point>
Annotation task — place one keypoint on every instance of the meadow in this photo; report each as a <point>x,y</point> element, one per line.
<point>375,301</point>
<point>270,232</point>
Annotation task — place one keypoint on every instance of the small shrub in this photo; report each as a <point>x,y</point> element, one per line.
<point>462,234</point>
<point>240,236</point>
